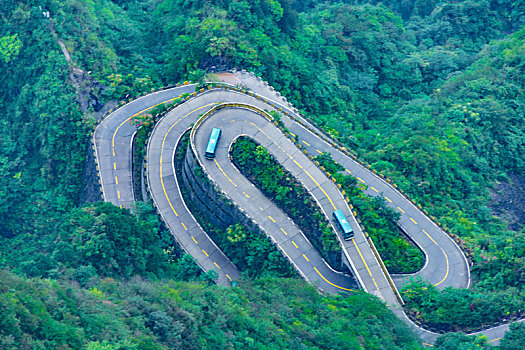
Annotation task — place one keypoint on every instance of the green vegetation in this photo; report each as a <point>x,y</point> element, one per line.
<point>287,193</point>
<point>265,314</point>
<point>430,93</point>
<point>459,309</point>
<point>101,240</point>
<point>379,220</point>
<point>251,251</point>
<point>512,340</point>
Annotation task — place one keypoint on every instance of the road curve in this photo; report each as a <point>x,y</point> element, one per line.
<point>446,265</point>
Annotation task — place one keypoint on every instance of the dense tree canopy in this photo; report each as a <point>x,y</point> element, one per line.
<point>430,93</point>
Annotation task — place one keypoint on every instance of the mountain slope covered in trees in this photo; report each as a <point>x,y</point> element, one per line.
<point>430,93</point>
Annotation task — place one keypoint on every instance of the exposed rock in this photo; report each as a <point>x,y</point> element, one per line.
<point>508,201</point>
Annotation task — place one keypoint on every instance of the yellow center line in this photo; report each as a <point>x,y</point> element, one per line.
<point>118,194</point>
<point>319,151</point>
<point>295,245</point>
<point>261,209</point>
<point>414,221</point>
<point>214,263</point>
<point>185,229</point>
<point>304,256</point>
<point>194,240</point>
<point>246,195</point>
<point>205,253</point>
<point>114,166</point>
<point>121,206</point>
<point>446,274</point>
<point>330,283</point>
<point>223,173</point>
<point>445,254</point>
<point>490,341</point>
<point>326,194</point>
<point>374,189</point>
<point>134,115</point>
<point>306,143</point>
<point>364,262</point>
<point>116,180</point>
<point>427,344</point>
<point>292,134</point>
<point>432,239</point>
<point>285,233</point>
<point>388,199</point>
<point>401,210</point>
<point>348,171</point>
<point>299,165</point>
<point>162,150</point>
<point>271,218</point>
<point>261,130</point>
<point>363,181</point>
<point>229,277</point>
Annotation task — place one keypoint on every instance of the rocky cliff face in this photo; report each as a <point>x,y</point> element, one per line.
<point>508,201</point>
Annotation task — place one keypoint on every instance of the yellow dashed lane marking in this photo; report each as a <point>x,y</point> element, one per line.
<point>114,166</point>
<point>185,229</point>
<point>246,195</point>
<point>118,194</point>
<point>285,233</point>
<point>295,245</point>
<point>116,180</point>
<point>348,171</point>
<point>121,206</point>
<point>330,283</point>
<point>432,239</point>
<point>304,256</point>
<point>229,277</point>
<point>205,253</point>
<point>162,150</point>
<point>490,341</point>
<point>317,183</point>
<point>134,115</point>
<point>374,189</point>
<point>223,173</point>
<point>261,209</point>
<point>364,262</point>
<point>319,151</point>
<point>271,218</point>
<point>363,181</point>
<point>414,221</point>
<point>306,143</point>
<point>214,263</point>
<point>292,134</point>
<point>194,240</point>
<point>388,199</point>
<point>401,210</point>
<point>299,165</point>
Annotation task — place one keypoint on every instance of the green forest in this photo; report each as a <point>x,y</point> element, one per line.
<point>430,93</point>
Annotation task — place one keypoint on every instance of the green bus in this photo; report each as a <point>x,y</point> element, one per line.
<point>212,143</point>
<point>343,225</point>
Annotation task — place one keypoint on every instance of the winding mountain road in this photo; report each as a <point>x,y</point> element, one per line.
<point>244,113</point>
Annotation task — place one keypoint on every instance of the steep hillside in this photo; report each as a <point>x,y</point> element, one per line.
<point>431,93</point>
